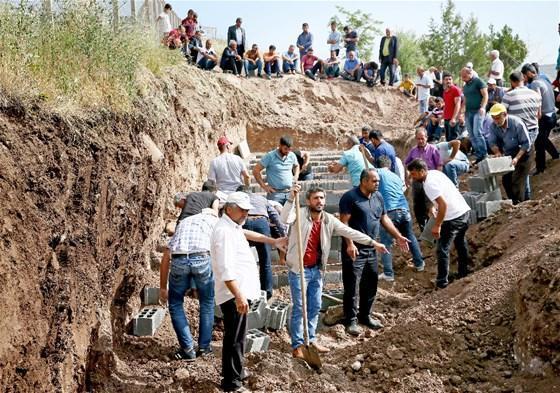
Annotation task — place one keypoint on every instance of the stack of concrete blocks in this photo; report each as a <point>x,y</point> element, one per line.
<point>256,314</point>
<point>256,341</point>
<point>148,321</point>
<point>326,302</point>
<point>276,315</point>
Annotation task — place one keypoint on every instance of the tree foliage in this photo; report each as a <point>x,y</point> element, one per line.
<point>410,54</point>
<point>513,49</point>
<point>362,22</point>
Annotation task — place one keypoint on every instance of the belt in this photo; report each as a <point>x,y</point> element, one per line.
<point>285,190</point>
<point>192,254</point>
<point>396,210</point>
<point>256,217</point>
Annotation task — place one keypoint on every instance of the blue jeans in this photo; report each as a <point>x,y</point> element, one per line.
<point>261,225</point>
<point>474,124</point>
<point>332,71</point>
<point>206,64</point>
<point>280,197</point>
<point>250,66</point>
<point>289,67</point>
<point>434,131</point>
<point>422,106</point>
<point>314,284</point>
<point>403,222</point>
<point>455,168</point>
<point>183,270</point>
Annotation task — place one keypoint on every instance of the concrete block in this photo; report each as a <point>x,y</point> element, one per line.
<point>256,314</point>
<point>326,303</point>
<point>482,184</point>
<point>150,296</point>
<point>243,149</point>
<point>494,195</point>
<point>486,209</point>
<point>256,341</point>
<point>276,314</point>
<point>332,277</point>
<point>471,198</point>
<point>495,166</point>
<point>218,312</point>
<point>280,280</point>
<point>473,217</point>
<point>147,321</point>
<point>427,233</point>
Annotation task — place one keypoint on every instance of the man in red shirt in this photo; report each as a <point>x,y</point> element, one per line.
<point>452,99</point>
<point>310,64</point>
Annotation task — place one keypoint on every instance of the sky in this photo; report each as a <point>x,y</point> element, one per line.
<point>279,22</point>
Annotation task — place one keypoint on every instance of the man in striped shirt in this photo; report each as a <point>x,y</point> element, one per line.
<point>524,103</point>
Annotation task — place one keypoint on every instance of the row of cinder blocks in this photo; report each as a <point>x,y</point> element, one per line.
<point>482,184</point>
<point>256,341</point>
<point>281,279</point>
<point>147,321</point>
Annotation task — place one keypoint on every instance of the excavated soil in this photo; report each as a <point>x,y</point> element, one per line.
<point>85,200</point>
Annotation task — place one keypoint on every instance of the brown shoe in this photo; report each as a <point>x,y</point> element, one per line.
<point>298,353</point>
<point>320,348</point>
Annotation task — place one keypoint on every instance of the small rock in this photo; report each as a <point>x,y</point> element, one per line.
<point>360,357</point>
<point>508,374</point>
<point>455,380</point>
<point>181,373</point>
<point>356,366</point>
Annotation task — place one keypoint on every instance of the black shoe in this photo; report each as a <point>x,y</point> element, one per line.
<point>441,286</point>
<point>353,329</point>
<point>204,352</point>
<point>371,323</point>
<point>189,356</point>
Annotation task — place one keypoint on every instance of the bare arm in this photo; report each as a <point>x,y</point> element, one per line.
<point>258,177</point>
<point>455,145</point>
<point>163,275</point>
<point>484,92</point>
<point>335,167</point>
<point>295,171</point>
<point>442,209</point>
<point>246,178</point>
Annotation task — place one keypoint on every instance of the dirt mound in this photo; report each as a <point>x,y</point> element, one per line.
<point>85,199</point>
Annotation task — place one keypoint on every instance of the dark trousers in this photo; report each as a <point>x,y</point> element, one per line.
<point>230,64</point>
<point>240,50</point>
<point>543,143</point>
<point>515,182</point>
<point>261,225</point>
<point>451,133</point>
<point>420,203</point>
<point>235,330</point>
<point>452,231</point>
<point>386,62</point>
<point>363,271</point>
<point>271,66</point>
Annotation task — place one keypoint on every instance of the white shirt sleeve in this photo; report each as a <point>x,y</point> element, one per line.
<point>224,249</point>
<point>431,190</point>
<point>212,171</point>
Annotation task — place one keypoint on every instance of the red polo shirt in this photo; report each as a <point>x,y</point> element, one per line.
<point>449,96</point>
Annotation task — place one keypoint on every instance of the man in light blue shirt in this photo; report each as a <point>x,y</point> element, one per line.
<point>352,68</point>
<point>396,206</point>
<point>334,39</point>
<point>352,159</point>
<point>290,60</point>
<point>282,170</point>
<point>304,40</point>
<point>455,162</point>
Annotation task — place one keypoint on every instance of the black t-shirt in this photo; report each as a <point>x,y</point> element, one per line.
<point>351,45</point>
<point>365,213</point>
<point>300,162</point>
<point>195,202</point>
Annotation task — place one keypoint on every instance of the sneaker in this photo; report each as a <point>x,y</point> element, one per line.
<point>181,354</point>
<point>420,268</point>
<point>268,77</point>
<point>204,352</point>
<point>441,286</point>
<point>385,277</point>
<point>353,329</point>
<point>279,75</point>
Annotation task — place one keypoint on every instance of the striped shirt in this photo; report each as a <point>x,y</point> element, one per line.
<point>523,103</point>
<point>193,234</point>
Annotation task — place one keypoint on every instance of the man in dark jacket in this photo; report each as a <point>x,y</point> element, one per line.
<point>388,49</point>
<point>237,34</point>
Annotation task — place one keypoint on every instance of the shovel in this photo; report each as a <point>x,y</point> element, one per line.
<point>310,353</point>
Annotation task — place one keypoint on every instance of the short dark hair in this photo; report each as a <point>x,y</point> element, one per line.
<point>167,7</point>
<point>366,128</point>
<point>313,190</point>
<point>271,47</point>
<point>209,185</point>
<point>446,74</point>
<point>346,28</point>
<point>286,141</point>
<point>417,164</point>
<point>375,134</point>
<point>239,20</point>
<point>365,173</point>
<point>516,76</point>
<point>384,162</point>
<point>305,25</point>
<point>528,68</point>
<point>536,65</point>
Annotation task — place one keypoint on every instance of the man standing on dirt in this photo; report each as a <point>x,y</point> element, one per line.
<point>237,33</point>
<point>227,170</point>
<point>451,219</point>
<point>304,40</point>
<point>282,170</point>
<point>317,227</point>
<point>236,283</point>
<point>452,108</point>
<point>362,208</point>
<point>382,148</point>
<point>474,108</point>
<point>388,49</point>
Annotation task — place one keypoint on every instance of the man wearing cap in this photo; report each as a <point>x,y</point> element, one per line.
<point>547,120</point>
<point>496,68</point>
<point>495,93</point>
<point>509,137</point>
<point>236,282</point>
<point>282,170</point>
<point>227,170</point>
<point>474,108</point>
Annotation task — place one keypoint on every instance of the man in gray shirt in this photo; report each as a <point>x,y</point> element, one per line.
<point>547,120</point>
<point>524,103</point>
<point>227,170</point>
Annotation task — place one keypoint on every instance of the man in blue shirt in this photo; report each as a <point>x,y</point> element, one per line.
<point>352,68</point>
<point>350,40</point>
<point>383,149</point>
<point>396,206</point>
<point>304,40</point>
<point>364,140</point>
<point>352,159</point>
<point>282,170</point>
<point>509,137</point>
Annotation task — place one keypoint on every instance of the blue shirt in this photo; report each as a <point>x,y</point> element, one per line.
<point>305,40</point>
<point>386,149</point>
<point>349,65</point>
<point>353,160</point>
<point>279,173</point>
<point>365,213</point>
<point>368,144</point>
<point>512,139</point>
<point>391,189</point>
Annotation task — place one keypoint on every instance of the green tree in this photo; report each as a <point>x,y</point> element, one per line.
<point>410,54</point>
<point>513,49</point>
<point>364,24</point>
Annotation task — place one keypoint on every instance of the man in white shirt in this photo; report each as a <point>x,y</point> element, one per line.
<point>334,39</point>
<point>423,85</point>
<point>164,21</point>
<point>496,68</point>
<point>227,170</point>
<point>207,58</point>
<point>236,282</point>
<point>451,218</point>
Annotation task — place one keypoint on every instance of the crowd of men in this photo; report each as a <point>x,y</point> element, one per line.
<point>210,246</point>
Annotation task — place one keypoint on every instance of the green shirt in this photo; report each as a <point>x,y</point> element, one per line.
<point>473,97</point>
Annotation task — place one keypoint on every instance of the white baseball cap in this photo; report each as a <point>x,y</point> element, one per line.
<point>491,81</point>
<point>469,65</point>
<point>240,199</point>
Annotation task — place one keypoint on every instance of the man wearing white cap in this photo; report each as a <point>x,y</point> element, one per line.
<point>228,170</point>
<point>495,93</point>
<point>236,282</point>
<point>496,68</point>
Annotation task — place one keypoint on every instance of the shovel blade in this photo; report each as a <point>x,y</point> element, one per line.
<point>311,357</point>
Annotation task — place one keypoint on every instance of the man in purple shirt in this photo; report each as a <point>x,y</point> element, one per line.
<point>430,154</point>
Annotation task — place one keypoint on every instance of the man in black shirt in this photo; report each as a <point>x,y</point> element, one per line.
<point>194,202</point>
<point>362,209</point>
<point>305,171</point>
